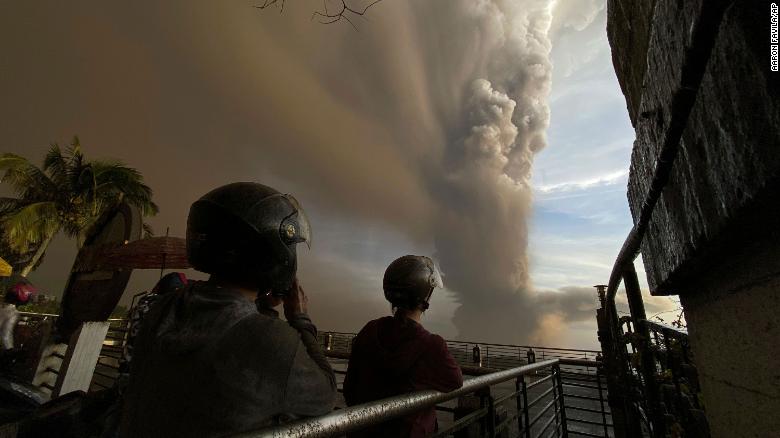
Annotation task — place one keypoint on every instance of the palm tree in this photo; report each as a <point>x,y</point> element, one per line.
<point>67,195</point>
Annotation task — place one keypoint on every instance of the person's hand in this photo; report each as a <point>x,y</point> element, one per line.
<point>295,301</point>
<point>267,301</point>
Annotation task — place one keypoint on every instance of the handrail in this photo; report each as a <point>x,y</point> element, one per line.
<point>458,341</point>
<point>369,414</point>
<point>37,314</point>
<point>57,316</point>
<point>701,41</point>
<point>665,328</point>
<point>695,63</point>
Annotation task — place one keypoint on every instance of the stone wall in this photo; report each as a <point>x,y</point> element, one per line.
<point>728,159</point>
<point>714,235</point>
<point>629,32</point>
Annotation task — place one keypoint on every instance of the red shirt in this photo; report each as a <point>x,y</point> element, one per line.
<point>396,355</point>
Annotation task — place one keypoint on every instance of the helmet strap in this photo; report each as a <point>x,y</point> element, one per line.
<point>425,304</point>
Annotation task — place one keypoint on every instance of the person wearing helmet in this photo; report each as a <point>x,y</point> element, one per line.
<point>208,360</point>
<point>18,294</point>
<point>395,354</point>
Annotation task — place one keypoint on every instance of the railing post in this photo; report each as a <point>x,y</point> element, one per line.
<point>78,365</point>
<point>491,424</point>
<point>647,365</point>
<point>488,428</point>
<point>559,383</point>
<point>554,374</point>
<point>601,400</point>
<point>519,392</point>
<point>624,415</point>
<point>525,409</point>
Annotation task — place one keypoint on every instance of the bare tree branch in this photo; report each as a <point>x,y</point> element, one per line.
<point>346,12</point>
<point>268,3</point>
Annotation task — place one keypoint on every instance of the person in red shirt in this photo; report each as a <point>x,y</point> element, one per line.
<point>396,355</point>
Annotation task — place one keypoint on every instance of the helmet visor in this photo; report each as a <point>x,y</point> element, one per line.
<point>435,278</point>
<point>296,228</point>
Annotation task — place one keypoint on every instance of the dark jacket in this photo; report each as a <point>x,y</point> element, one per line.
<point>207,363</point>
<point>396,355</point>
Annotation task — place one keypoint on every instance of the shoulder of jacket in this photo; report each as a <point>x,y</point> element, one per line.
<point>256,325</point>
<point>435,341</point>
<point>257,338</point>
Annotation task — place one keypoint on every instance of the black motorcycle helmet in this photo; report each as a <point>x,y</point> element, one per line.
<point>409,282</point>
<point>247,232</point>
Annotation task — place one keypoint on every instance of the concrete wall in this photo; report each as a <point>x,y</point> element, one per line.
<point>735,333</point>
<point>713,236</point>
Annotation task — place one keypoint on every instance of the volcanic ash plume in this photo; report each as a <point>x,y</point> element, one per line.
<point>484,190</point>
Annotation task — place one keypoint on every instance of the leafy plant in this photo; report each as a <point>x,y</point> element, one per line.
<point>68,194</point>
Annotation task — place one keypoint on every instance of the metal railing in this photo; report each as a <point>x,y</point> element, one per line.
<point>678,380</point>
<point>107,368</point>
<point>585,399</point>
<point>674,381</point>
<point>33,319</point>
<point>583,381</point>
<point>563,394</point>
<point>477,354</point>
<point>541,416</point>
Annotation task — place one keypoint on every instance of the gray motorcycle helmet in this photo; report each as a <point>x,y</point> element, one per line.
<point>409,281</point>
<point>247,232</point>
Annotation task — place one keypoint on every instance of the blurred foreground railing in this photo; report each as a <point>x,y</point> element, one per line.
<point>674,380</point>
<point>514,394</point>
<point>540,416</point>
<point>107,367</point>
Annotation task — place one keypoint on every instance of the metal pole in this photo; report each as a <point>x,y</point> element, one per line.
<point>601,400</point>
<point>490,424</point>
<point>559,382</point>
<point>518,398</point>
<point>525,410</point>
<point>162,268</point>
<point>556,399</point>
<point>647,359</point>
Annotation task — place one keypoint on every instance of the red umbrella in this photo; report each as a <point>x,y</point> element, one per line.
<point>149,253</point>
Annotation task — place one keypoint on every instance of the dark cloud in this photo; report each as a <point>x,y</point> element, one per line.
<point>573,304</point>
<point>425,123</point>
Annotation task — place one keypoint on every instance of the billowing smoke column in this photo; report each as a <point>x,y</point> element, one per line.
<point>423,123</point>
<point>484,187</point>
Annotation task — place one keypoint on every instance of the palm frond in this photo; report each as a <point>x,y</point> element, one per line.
<point>76,155</point>
<point>115,178</point>
<point>8,205</point>
<point>26,179</point>
<point>30,224</point>
<point>57,165</point>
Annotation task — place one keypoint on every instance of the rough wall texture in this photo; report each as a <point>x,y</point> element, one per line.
<point>629,32</point>
<point>728,163</point>
<point>714,236</point>
<point>735,334</point>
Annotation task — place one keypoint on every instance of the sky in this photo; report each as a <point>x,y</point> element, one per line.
<point>490,135</point>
